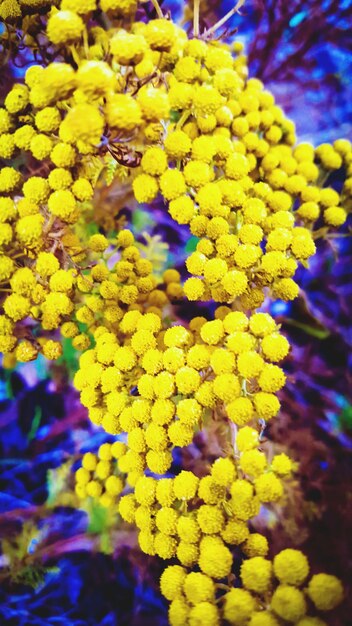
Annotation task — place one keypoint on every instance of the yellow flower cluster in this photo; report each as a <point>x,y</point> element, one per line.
<point>193,128</point>
<point>98,477</point>
<point>228,168</point>
<point>156,383</point>
<point>265,599</point>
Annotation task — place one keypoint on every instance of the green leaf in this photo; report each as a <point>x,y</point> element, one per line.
<point>345,418</point>
<point>35,423</point>
<point>320,332</point>
<point>191,244</point>
<point>98,518</point>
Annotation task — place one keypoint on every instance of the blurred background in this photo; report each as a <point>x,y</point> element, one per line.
<point>65,565</point>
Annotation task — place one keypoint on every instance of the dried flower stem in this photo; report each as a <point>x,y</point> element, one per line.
<point>196,5</point>
<point>224,19</point>
<point>157,8</point>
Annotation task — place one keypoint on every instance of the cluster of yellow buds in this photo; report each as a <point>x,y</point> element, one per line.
<point>98,477</point>
<point>181,115</point>
<point>273,593</point>
<point>199,519</point>
<point>157,384</point>
<point>233,175</point>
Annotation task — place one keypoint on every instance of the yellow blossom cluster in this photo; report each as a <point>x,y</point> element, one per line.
<point>98,476</point>
<point>272,594</point>
<point>158,383</point>
<point>212,142</point>
<point>182,116</point>
<point>234,175</point>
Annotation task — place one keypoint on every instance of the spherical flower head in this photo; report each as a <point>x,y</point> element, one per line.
<point>198,588</point>
<point>48,119</point>
<point>238,606</point>
<point>178,611</point>
<point>204,613</point>
<point>240,411</point>
<point>7,146</point>
<point>268,488</point>
<point>215,559</point>
<point>160,34</point>
<point>335,216</point>
<point>235,532</point>
<point>166,520</point>
<point>271,378</point>
<point>29,231</point>
<point>210,519</point>
<point>52,350</point>
<point>215,270</point>
<point>159,462</point>
<point>5,121</point>
<point>10,179</point>
<point>266,405</point>
<point>291,567</point>
<point>46,264</point>
<point>26,352</point>
<point>187,380</point>
<point>17,99</point>
<point>123,112</point>
<point>247,439</point>
<point>23,281</point>
<point>95,78</point>
<point>253,462</point>
<point>235,282</point>
<point>7,210</point>
<point>156,437</point>
<point>165,491</point>
<point>165,546</point>
<point>185,485</point>
<point>154,103</point>
<point>325,591</point>
<point>282,464</point>
<point>145,188</point>
<point>256,574</point>
<point>63,155</point>
<point>236,166</point>
<point>223,472</point>
<point>61,280</point>
<point>62,204</point>
<point>23,136</point>
<point>302,245</point>
<point>64,27</point>
<point>180,96</point>
<point>6,267</point>
<point>172,184</point>
<point>264,618</point>
<point>171,581</point>
<point>6,235</point>
<point>206,100</point>
<point>288,603</point>
<point>188,529</point>
<point>187,69</point>
<point>212,332</point>
<point>41,146</point>
<point>154,161</point>
<point>197,173</point>
<point>83,122</point>
<point>127,507</point>
<point>250,364</point>
<point>275,347</point>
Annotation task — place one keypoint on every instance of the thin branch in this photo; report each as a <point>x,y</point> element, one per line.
<point>226,17</point>
<point>157,8</point>
<point>196,5</point>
